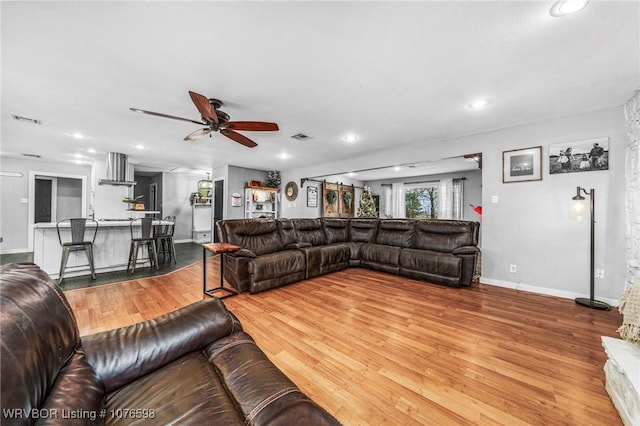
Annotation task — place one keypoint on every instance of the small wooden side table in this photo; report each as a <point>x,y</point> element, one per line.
<point>221,249</point>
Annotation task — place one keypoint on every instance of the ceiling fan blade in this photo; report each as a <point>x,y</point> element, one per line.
<point>238,138</point>
<point>159,114</point>
<point>203,105</point>
<point>197,134</point>
<point>256,126</point>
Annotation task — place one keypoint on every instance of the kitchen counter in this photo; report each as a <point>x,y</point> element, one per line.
<point>110,250</point>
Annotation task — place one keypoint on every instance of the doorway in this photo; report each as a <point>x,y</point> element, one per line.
<point>54,196</point>
<point>44,199</point>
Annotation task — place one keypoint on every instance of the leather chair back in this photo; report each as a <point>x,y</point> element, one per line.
<point>396,232</point>
<point>259,236</point>
<point>310,231</point>
<point>336,230</point>
<point>42,363</point>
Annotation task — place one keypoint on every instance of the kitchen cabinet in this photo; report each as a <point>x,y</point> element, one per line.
<point>202,219</point>
<point>261,202</point>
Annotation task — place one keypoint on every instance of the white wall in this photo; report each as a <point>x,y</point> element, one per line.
<point>14,214</point>
<point>176,190</point>
<point>530,226</point>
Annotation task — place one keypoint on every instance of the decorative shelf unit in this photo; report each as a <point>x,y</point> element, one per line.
<point>261,202</point>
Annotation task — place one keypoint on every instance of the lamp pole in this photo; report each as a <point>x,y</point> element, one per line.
<point>591,302</point>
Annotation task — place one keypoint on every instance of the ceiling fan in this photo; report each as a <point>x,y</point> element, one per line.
<point>217,121</point>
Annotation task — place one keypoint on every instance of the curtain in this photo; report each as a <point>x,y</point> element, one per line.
<point>632,191</point>
<point>458,198</point>
<point>445,199</point>
<point>388,201</point>
<point>398,208</point>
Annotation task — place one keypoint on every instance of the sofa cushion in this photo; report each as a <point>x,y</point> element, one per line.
<point>445,235</point>
<point>274,265</point>
<point>336,230</point>
<point>431,262</point>
<point>395,232</point>
<point>259,236</point>
<point>325,259</point>
<point>310,231</point>
<point>264,394</point>
<point>201,399</point>
<point>363,230</point>
<point>374,255</point>
<point>287,232</point>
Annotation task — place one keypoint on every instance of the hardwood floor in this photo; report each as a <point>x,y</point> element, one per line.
<point>378,349</point>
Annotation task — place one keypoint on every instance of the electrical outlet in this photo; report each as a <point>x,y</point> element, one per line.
<point>513,269</point>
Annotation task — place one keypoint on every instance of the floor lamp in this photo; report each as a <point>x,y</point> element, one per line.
<point>578,210</point>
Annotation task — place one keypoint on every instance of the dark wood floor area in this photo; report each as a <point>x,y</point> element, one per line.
<point>378,349</point>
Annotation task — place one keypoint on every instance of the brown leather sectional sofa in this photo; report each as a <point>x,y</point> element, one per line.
<point>283,251</point>
<point>192,366</point>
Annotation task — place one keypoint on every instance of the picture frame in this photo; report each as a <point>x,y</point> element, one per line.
<point>312,196</point>
<point>522,165</point>
<point>579,156</point>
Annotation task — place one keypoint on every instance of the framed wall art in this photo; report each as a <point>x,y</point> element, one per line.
<point>312,196</point>
<point>522,165</point>
<point>579,156</point>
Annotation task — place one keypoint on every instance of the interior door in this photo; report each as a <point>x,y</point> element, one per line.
<point>43,199</point>
<point>218,204</point>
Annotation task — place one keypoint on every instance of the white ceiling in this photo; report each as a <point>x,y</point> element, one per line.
<point>393,73</point>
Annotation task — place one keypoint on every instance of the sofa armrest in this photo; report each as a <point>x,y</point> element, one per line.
<point>466,250</point>
<point>241,253</point>
<point>125,354</point>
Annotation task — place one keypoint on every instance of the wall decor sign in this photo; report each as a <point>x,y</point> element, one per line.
<point>522,165</point>
<point>312,196</point>
<point>579,156</point>
<point>236,199</point>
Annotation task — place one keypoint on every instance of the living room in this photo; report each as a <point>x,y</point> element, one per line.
<point>397,83</point>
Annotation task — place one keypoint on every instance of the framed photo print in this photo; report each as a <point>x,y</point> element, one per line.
<point>312,196</point>
<point>580,156</point>
<point>522,165</point>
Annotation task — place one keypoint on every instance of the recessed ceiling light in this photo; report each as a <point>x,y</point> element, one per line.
<point>566,7</point>
<point>77,135</point>
<point>139,146</point>
<point>397,168</point>
<point>351,174</point>
<point>350,138</point>
<point>91,150</point>
<point>480,103</point>
<point>284,156</point>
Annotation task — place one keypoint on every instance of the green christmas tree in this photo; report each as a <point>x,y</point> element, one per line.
<point>367,207</point>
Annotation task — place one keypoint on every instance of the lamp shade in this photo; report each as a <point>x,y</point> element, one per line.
<point>579,209</point>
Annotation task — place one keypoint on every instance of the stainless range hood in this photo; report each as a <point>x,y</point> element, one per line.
<point>117,170</point>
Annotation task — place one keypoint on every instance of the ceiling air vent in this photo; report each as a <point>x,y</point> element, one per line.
<point>301,137</point>
<point>26,119</point>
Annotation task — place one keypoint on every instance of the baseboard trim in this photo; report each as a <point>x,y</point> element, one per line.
<point>15,251</point>
<point>544,290</point>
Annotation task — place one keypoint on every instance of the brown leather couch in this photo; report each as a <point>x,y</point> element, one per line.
<point>283,251</point>
<point>191,366</point>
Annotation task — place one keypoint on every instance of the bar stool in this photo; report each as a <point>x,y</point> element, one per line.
<point>78,242</point>
<point>164,239</point>
<point>142,237</point>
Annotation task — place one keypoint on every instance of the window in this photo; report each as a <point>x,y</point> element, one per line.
<point>421,200</point>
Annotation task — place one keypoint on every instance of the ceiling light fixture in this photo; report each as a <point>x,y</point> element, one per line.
<point>77,135</point>
<point>139,146</point>
<point>91,150</point>
<point>350,138</point>
<point>480,103</point>
<point>567,7</point>
<point>284,156</point>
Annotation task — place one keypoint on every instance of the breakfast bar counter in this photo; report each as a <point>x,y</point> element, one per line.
<point>110,250</point>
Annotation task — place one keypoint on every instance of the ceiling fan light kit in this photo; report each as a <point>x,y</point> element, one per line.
<point>217,120</point>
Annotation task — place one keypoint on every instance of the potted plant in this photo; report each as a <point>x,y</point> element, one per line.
<point>134,203</point>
